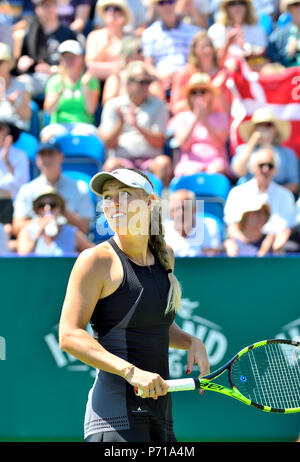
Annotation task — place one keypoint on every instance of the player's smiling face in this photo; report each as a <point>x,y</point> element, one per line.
<point>125,208</point>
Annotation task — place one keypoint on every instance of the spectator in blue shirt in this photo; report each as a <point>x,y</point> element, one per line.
<point>284,43</point>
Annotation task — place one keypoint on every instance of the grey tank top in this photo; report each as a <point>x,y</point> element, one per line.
<point>131,323</point>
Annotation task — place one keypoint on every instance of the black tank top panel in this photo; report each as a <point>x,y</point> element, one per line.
<point>145,286</point>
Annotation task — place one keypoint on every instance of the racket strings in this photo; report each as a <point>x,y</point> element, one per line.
<point>269,375</point>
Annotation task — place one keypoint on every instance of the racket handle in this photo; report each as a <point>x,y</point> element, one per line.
<point>176,385</point>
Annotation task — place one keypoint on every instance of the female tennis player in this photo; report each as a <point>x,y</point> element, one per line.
<point>126,288</point>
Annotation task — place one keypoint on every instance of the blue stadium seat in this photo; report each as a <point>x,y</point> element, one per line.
<point>212,188</point>
<point>34,121</point>
<point>284,19</point>
<point>81,176</point>
<point>29,143</point>
<point>83,153</point>
<point>157,183</point>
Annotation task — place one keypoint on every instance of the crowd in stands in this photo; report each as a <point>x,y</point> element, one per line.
<point>152,80</point>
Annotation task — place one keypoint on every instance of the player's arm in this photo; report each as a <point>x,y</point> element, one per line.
<point>83,291</point>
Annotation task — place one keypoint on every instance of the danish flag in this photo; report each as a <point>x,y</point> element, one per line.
<point>280,92</point>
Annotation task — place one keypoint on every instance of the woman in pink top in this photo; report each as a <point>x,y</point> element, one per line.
<point>201,132</point>
<point>202,58</point>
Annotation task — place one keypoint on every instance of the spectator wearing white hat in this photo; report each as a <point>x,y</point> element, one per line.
<point>72,95</point>
<point>49,234</point>
<point>254,214</point>
<point>281,201</point>
<point>103,46</point>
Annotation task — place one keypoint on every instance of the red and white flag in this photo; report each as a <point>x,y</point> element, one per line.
<point>280,92</point>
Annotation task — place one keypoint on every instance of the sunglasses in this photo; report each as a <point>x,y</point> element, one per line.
<point>199,92</point>
<point>165,2</point>
<point>265,124</point>
<point>237,3</point>
<point>114,8</point>
<point>270,165</point>
<point>52,204</point>
<point>140,82</point>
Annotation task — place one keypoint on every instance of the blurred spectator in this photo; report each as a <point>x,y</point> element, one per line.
<point>254,215</point>
<point>14,172</point>
<point>49,234</point>
<point>6,35</point>
<point>201,132</point>
<point>284,42</point>
<point>194,11</point>
<point>188,232</point>
<point>14,99</point>
<point>133,126</point>
<point>79,208</point>
<point>236,25</point>
<point>39,56</point>
<point>103,46</point>
<point>115,84</point>
<point>138,18</point>
<point>166,42</point>
<point>202,58</point>
<point>4,248</point>
<point>74,14</point>
<point>264,164</point>
<point>72,95</point>
<point>264,130</point>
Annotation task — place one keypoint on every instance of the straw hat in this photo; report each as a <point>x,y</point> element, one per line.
<point>262,115</point>
<point>224,4</point>
<point>199,80</point>
<point>49,191</point>
<point>101,4</point>
<point>253,204</point>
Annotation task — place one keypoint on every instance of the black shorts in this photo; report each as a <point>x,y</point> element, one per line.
<point>137,435</point>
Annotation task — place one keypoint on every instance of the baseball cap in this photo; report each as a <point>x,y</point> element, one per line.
<point>70,46</point>
<point>125,176</point>
<point>48,146</point>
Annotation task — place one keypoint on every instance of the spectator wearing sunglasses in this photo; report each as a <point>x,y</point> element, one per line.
<point>115,84</point>
<point>79,208</point>
<point>133,126</point>
<point>103,46</point>
<point>263,165</point>
<point>166,42</point>
<point>202,58</point>
<point>236,26</point>
<point>49,234</point>
<point>201,132</point>
<point>284,42</point>
<point>263,129</point>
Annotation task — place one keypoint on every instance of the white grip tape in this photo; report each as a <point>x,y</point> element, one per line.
<point>177,385</point>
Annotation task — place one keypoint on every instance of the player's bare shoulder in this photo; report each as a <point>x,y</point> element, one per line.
<point>95,262</point>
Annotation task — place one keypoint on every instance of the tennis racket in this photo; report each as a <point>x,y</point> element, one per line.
<point>265,375</point>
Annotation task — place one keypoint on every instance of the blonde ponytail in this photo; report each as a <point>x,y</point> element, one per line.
<point>158,244</point>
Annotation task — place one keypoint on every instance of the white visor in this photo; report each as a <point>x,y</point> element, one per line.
<point>125,176</point>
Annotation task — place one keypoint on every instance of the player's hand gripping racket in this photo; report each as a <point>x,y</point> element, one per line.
<point>265,375</point>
